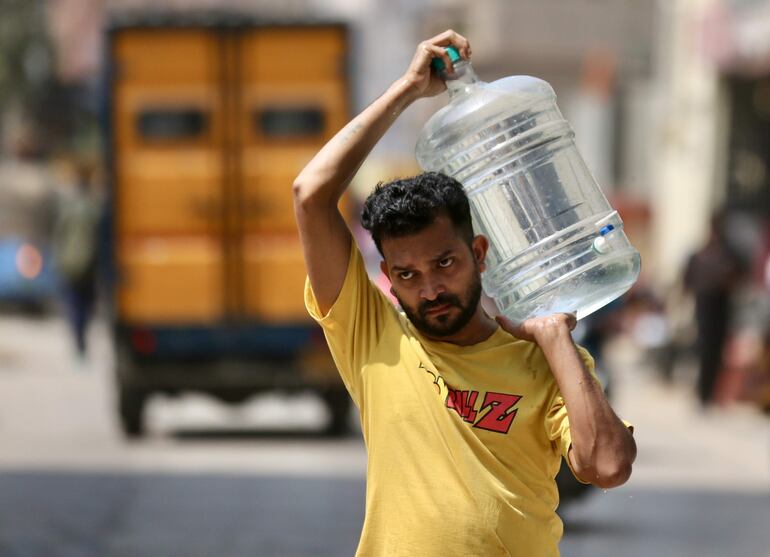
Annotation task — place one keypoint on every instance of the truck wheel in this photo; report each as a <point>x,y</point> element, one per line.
<point>338,403</point>
<point>131,410</point>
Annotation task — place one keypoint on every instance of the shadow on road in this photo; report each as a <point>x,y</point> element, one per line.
<point>577,527</point>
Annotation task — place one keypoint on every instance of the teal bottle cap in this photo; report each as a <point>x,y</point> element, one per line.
<point>454,56</point>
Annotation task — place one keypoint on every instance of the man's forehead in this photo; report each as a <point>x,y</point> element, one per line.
<point>426,245</point>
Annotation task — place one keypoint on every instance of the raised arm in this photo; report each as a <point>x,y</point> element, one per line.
<point>318,188</point>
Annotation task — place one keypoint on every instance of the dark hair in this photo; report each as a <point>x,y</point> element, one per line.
<point>409,205</point>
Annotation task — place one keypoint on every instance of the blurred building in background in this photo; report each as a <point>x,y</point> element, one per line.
<point>669,99</point>
<point>662,95</point>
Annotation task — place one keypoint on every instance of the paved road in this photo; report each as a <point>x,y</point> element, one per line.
<point>218,481</point>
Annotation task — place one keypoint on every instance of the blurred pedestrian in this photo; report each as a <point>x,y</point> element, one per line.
<point>711,275</point>
<point>466,417</point>
<point>74,250</point>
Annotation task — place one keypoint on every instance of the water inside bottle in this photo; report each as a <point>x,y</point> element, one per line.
<point>556,244</point>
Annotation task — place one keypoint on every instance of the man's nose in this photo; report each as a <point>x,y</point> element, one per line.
<point>431,289</point>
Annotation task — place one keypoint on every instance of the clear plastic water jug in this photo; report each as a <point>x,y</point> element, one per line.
<point>556,244</point>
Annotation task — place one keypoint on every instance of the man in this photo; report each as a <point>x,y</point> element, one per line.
<point>464,416</point>
<point>712,275</point>
<point>75,254</point>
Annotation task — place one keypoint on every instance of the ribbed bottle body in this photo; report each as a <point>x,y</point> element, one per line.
<point>556,244</point>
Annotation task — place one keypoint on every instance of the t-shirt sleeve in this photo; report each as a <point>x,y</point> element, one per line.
<point>557,420</point>
<point>354,323</point>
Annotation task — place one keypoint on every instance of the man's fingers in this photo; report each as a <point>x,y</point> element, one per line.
<point>450,37</point>
<point>505,323</point>
<point>515,329</point>
<point>571,320</point>
<point>444,38</point>
<point>427,52</point>
<point>432,51</point>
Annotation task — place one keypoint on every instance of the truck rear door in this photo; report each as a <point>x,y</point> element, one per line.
<point>169,169</point>
<point>210,128</point>
<point>294,99</point>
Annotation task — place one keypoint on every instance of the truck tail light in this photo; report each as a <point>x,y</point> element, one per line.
<point>144,341</point>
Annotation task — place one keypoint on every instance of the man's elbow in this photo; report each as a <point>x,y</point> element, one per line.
<point>613,475</point>
<point>608,469</point>
<point>300,192</point>
<point>613,469</point>
<point>309,193</point>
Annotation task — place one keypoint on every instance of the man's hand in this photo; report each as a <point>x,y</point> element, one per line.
<point>420,77</point>
<point>541,330</point>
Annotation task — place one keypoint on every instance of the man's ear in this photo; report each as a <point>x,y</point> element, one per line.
<point>479,247</point>
<point>384,269</point>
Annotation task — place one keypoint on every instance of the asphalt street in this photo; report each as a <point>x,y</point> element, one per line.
<point>259,480</point>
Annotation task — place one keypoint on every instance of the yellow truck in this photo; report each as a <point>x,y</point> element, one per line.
<point>208,122</point>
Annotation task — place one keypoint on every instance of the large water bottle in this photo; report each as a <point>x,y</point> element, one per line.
<point>556,244</point>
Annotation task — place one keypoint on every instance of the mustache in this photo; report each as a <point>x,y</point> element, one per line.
<point>441,300</point>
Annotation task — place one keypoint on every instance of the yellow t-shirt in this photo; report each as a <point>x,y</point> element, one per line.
<point>463,442</point>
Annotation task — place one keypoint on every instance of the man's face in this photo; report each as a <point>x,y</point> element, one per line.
<point>436,277</point>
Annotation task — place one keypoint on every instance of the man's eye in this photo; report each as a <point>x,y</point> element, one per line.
<point>406,275</point>
<point>446,262</point>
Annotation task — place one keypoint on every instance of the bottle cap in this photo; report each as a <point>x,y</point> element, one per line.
<point>454,56</point>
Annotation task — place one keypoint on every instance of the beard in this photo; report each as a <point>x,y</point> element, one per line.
<point>444,325</point>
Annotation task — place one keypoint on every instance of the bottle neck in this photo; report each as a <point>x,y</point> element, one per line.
<point>462,78</point>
